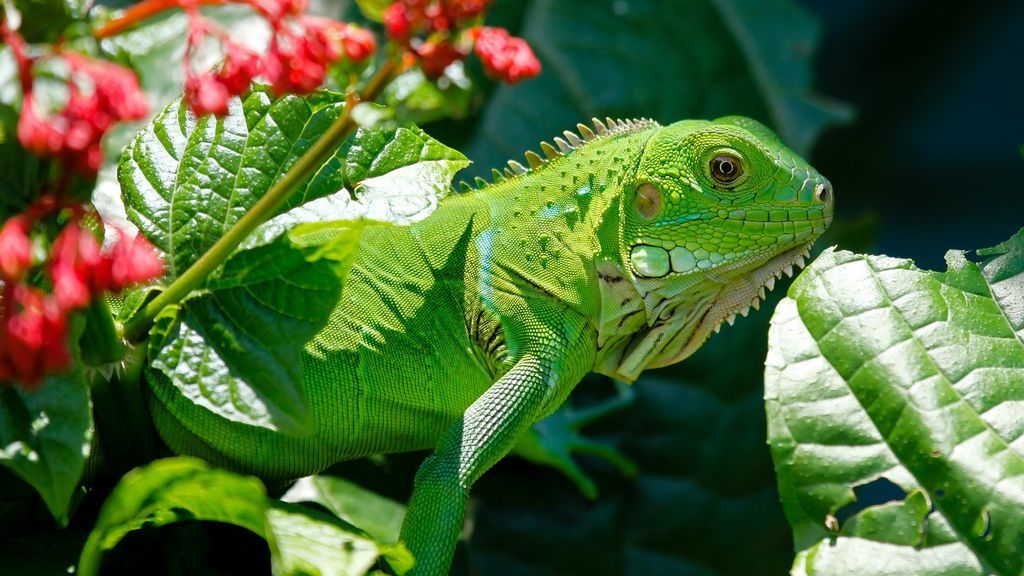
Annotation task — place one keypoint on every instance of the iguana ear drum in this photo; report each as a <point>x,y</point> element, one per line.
<point>648,201</point>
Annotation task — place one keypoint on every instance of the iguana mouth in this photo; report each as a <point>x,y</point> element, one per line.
<point>681,329</point>
<point>753,288</point>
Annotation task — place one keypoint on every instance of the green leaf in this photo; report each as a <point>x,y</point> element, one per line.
<point>174,490</point>
<point>380,517</point>
<point>24,174</point>
<point>373,9</point>
<point>309,542</point>
<point>235,348</point>
<point>302,541</point>
<point>399,176</point>
<point>416,98</point>
<point>608,58</point>
<point>45,20</point>
<point>186,181</point>
<point>879,369</point>
<point>45,437</point>
<point>777,40</point>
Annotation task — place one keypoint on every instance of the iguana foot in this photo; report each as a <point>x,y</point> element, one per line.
<point>552,441</point>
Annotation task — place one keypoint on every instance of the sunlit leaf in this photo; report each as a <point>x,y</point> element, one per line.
<point>878,369</point>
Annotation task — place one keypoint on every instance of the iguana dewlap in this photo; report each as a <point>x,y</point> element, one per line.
<point>620,250</point>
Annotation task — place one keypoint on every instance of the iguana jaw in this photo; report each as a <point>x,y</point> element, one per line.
<point>738,297</point>
<point>678,325</point>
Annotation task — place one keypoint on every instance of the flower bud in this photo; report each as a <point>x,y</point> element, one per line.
<point>15,249</point>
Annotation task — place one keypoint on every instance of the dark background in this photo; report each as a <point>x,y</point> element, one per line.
<point>935,147</point>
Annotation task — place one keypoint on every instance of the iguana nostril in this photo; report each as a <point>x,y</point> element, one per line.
<point>823,193</point>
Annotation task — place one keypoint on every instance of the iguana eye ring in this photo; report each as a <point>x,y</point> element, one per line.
<point>726,168</point>
<point>648,200</point>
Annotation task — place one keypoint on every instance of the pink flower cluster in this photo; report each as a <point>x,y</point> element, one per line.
<point>99,94</point>
<point>33,322</point>
<point>432,31</point>
<point>301,50</point>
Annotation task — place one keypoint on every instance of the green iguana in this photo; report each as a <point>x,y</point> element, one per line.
<point>620,251</point>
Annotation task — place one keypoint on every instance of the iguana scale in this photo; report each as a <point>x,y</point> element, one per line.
<point>619,250</point>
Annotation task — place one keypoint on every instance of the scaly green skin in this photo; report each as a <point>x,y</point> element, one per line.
<point>461,331</point>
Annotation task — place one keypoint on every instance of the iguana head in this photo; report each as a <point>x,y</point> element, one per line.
<point>716,212</point>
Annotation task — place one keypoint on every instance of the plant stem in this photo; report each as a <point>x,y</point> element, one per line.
<point>266,207</point>
<point>100,342</point>
<point>139,12</point>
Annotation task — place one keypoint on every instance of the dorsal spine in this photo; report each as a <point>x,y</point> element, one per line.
<point>562,146</point>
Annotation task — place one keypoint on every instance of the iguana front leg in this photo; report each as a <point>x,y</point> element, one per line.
<point>552,364</point>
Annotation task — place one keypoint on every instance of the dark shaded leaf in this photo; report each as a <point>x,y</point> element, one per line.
<point>45,437</point>
<point>665,60</point>
<point>169,491</point>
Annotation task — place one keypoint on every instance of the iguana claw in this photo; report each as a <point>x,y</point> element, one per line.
<point>552,441</point>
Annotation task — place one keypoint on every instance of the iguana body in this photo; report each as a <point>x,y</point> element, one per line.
<point>461,331</point>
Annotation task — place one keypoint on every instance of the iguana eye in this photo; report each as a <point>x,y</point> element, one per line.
<point>648,200</point>
<point>726,168</point>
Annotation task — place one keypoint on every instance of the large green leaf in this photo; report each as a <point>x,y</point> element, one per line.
<point>186,181</point>
<point>45,436</point>
<point>664,60</point>
<point>174,490</point>
<point>235,348</point>
<point>302,541</point>
<point>878,369</point>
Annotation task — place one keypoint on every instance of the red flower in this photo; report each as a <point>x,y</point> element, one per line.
<point>132,261</point>
<point>80,271</point>
<point>99,94</point>
<point>440,25</point>
<point>77,267</point>
<point>33,324</point>
<point>15,249</point>
<point>240,67</point>
<point>435,57</point>
<point>33,336</point>
<point>298,59</point>
<point>206,94</point>
<point>359,43</point>
<point>504,56</point>
<point>278,9</point>
<point>397,22</point>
